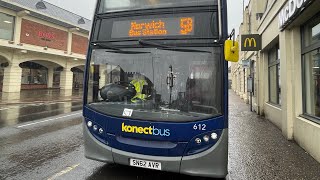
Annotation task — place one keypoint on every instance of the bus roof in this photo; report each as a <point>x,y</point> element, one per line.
<point>107,6</point>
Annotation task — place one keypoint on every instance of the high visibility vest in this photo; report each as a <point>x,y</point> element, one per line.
<point>138,84</point>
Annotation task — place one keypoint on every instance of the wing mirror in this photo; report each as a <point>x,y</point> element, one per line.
<point>231,48</point>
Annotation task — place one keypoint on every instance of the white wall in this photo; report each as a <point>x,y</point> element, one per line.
<point>273,114</point>
<point>307,135</point>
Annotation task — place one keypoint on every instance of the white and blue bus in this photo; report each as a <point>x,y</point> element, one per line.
<point>156,85</point>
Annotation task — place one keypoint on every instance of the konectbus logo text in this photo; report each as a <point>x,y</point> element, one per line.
<point>151,130</point>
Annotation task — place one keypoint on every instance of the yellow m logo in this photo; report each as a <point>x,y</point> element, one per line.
<point>250,40</point>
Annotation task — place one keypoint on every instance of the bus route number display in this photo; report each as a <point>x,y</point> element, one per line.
<point>181,26</point>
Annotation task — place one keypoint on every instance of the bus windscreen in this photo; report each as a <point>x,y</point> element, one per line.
<point>180,26</point>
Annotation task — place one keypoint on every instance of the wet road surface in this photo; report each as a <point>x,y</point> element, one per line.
<point>52,148</point>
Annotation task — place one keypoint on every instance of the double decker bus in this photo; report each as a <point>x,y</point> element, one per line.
<point>156,85</point>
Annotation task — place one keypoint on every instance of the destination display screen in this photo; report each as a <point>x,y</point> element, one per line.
<point>177,26</point>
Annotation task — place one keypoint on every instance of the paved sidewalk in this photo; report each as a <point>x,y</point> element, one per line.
<point>40,96</point>
<point>257,149</point>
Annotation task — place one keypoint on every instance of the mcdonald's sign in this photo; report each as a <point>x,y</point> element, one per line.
<point>250,42</point>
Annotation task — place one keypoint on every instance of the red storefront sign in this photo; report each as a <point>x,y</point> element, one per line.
<point>41,35</point>
<point>48,36</point>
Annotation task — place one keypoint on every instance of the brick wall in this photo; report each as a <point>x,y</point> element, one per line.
<point>41,35</point>
<point>79,44</point>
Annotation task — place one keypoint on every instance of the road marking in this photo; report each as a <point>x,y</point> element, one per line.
<point>49,120</point>
<point>65,171</point>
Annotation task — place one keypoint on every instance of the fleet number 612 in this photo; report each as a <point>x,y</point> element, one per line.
<point>200,127</point>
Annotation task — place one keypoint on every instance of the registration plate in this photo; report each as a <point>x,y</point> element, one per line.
<point>145,164</point>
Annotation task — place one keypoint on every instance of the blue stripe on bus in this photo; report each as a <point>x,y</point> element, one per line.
<point>150,137</point>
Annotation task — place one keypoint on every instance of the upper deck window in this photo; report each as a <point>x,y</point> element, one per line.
<point>123,5</point>
<point>6,26</point>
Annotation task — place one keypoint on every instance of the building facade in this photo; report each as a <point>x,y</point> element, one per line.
<point>286,72</point>
<point>41,46</point>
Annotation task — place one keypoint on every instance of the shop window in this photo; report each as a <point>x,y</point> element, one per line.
<point>1,77</point>
<point>33,73</point>
<point>311,67</point>
<point>56,76</point>
<point>78,76</point>
<point>312,33</point>
<point>2,67</point>
<point>274,75</point>
<point>6,26</point>
<point>244,81</point>
<point>254,76</point>
<point>312,82</point>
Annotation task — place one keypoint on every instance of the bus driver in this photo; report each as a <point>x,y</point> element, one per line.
<point>139,83</point>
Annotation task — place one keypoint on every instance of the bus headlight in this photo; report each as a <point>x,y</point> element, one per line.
<point>95,127</point>
<point>198,140</point>
<point>206,138</point>
<point>202,142</point>
<point>214,136</point>
<point>97,130</point>
<point>89,124</point>
<point>100,130</point>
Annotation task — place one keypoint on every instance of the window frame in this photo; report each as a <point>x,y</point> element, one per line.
<point>253,76</point>
<point>275,63</point>
<point>13,26</point>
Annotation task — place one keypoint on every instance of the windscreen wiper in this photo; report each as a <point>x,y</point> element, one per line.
<point>101,45</point>
<point>184,50</point>
<point>128,52</point>
<point>116,50</point>
<point>169,48</point>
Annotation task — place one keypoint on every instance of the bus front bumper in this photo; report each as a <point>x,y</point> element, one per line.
<point>210,163</point>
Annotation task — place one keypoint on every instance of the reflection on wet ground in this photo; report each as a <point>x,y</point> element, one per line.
<point>19,114</point>
<point>29,105</point>
<point>45,95</point>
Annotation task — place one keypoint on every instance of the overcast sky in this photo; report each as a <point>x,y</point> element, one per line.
<point>85,8</point>
<point>235,13</point>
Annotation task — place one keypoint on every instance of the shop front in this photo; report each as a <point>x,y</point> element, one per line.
<point>34,76</point>
<point>3,65</point>
<point>311,68</point>
<point>307,124</point>
<point>78,77</point>
<point>289,67</point>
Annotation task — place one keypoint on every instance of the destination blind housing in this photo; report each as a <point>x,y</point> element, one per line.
<point>181,26</point>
